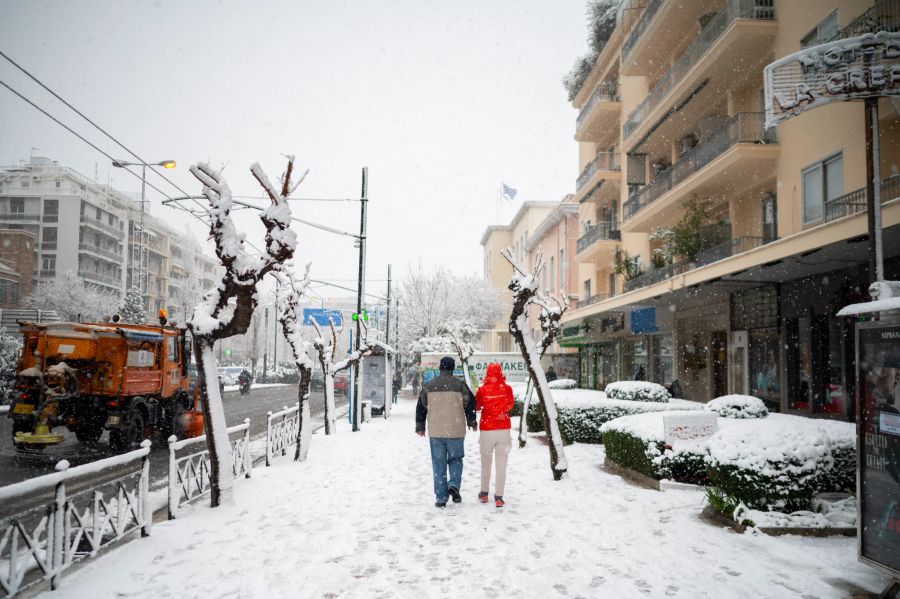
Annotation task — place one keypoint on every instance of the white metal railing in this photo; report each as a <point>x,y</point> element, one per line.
<point>189,475</point>
<point>281,431</point>
<point>40,543</point>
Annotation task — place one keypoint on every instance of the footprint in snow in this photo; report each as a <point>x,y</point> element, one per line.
<point>561,589</point>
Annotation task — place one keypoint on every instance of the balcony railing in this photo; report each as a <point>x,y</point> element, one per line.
<point>733,10</point>
<point>883,16</point>
<point>606,91</point>
<point>102,225</point>
<point>744,127</point>
<point>48,245</point>
<point>51,218</point>
<point>603,161</point>
<point>100,278</point>
<point>112,255</point>
<point>855,201</point>
<point>591,300</point>
<point>605,230</point>
<point>726,249</point>
<point>47,272</point>
<point>640,28</point>
<point>20,216</point>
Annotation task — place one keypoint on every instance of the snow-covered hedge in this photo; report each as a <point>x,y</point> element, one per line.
<point>637,391</point>
<point>9,351</point>
<point>738,406</point>
<point>563,384</point>
<point>769,464</point>
<point>581,413</point>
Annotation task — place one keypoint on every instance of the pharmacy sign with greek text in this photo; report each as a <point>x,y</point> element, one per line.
<point>867,66</point>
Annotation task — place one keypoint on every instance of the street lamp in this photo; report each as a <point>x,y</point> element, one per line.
<point>141,249</point>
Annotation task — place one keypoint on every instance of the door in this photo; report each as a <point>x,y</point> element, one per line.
<point>739,381</point>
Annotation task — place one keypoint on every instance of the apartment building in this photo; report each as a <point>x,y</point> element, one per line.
<point>82,226</point>
<point>769,226</point>
<point>16,264</point>
<point>498,271</point>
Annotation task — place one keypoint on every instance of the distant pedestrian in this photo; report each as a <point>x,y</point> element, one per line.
<point>415,382</point>
<point>550,374</point>
<point>494,399</point>
<point>446,406</point>
<point>396,384</point>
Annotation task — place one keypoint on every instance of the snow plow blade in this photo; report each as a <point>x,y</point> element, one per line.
<point>42,436</point>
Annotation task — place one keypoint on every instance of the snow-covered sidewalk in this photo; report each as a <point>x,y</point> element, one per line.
<point>357,520</point>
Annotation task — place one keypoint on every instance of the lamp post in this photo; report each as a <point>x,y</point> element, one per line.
<point>141,249</point>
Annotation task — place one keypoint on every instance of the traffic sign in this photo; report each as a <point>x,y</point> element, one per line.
<point>321,316</point>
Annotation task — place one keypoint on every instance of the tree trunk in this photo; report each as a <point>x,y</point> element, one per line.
<point>304,428</point>
<point>523,420</point>
<point>221,475</point>
<point>330,426</point>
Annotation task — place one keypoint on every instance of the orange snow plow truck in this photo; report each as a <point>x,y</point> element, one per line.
<point>130,379</point>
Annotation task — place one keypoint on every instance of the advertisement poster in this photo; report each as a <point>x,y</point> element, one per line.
<point>512,364</point>
<point>879,447</point>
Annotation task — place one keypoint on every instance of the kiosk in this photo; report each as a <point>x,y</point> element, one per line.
<point>375,372</point>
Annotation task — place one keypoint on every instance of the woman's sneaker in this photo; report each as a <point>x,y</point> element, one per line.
<point>498,501</point>
<point>483,497</point>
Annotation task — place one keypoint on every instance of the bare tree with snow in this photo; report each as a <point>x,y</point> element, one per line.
<point>228,309</point>
<point>524,286</point>
<point>290,316</point>
<point>326,350</point>
<point>74,299</point>
<point>459,334</point>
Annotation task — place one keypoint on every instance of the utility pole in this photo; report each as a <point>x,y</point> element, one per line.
<point>363,203</point>
<point>387,325</point>
<point>873,191</point>
<point>275,332</point>
<point>266,345</point>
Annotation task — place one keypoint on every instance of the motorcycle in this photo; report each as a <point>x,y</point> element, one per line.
<point>244,385</point>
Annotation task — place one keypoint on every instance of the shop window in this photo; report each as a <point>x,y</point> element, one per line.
<point>755,308</point>
<point>822,183</point>
<point>764,360</point>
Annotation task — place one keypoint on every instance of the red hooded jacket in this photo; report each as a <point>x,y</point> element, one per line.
<point>494,399</point>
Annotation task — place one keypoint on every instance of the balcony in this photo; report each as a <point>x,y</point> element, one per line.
<point>726,249</point>
<point>734,157</point>
<point>98,251</point>
<point>598,244</point>
<point>883,16</point>
<point>102,226</point>
<point>605,165</point>
<point>732,37</point>
<point>594,299</point>
<point>855,201</point>
<point>662,31</point>
<point>598,120</point>
<point>7,216</point>
<point>48,246</point>
<point>103,279</point>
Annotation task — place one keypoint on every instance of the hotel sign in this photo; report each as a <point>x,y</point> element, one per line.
<point>854,68</point>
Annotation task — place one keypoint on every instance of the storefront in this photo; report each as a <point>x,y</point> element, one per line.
<point>756,344</point>
<point>702,350</point>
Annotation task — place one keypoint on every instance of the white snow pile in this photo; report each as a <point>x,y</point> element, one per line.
<point>637,391</point>
<point>563,384</point>
<point>738,406</point>
<point>825,514</point>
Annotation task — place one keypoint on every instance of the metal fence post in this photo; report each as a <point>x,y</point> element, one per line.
<point>268,438</point>
<point>146,510</point>
<point>57,534</point>
<point>173,479</point>
<point>283,430</point>
<point>248,463</point>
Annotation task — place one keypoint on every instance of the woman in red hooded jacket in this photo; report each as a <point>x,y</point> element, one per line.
<point>494,400</point>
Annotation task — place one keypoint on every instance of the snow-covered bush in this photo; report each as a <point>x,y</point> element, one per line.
<point>563,384</point>
<point>738,406</point>
<point>842,438</point>
<point>9,352</point>
<point>769,464</point>
<point>637,391</point>
<point>582,413</point>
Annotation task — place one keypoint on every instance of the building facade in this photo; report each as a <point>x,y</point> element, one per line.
<point>16,266</point>
<point>81,226</point>
<point>716,252</point>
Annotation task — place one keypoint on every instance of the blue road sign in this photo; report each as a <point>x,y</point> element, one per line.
<point>321,316</point>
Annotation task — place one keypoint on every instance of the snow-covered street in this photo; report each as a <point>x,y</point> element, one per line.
<point>357,520</point>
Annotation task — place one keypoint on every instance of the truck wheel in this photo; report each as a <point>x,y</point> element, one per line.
<point>131,435</point>
<point>175,423</point>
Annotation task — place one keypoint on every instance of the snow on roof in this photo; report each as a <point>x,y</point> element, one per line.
<point>891,303</point>
<point>384,346</point>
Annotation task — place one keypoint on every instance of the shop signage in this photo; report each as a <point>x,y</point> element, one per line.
<point>573,331</point>
<point>878,446</point>
<point>511,363</point>
<point>689,427</point>
<point>612,322</point>
<point>854,68</point>
<point>643,321</point>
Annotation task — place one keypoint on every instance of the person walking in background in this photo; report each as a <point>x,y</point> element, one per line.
<point>550,374</point>
<point>395,385</point>
<point>446,406</point>
<point>494,399</point>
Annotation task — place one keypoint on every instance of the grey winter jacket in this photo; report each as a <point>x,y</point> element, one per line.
<point>447,406</point>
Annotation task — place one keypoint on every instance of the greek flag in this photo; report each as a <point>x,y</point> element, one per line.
<point>508,192</point>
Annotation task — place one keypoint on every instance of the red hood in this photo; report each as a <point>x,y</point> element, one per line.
<point>494,374</point>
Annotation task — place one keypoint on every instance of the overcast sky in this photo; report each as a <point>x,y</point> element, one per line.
<point>441,101</point>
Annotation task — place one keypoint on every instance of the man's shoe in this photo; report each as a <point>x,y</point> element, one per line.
<point>483,497</point>
<point>498,501</point>
<point>454,493</point>
<point>440,504</point>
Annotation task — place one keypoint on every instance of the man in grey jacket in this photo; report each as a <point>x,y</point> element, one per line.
<point>446,406</point>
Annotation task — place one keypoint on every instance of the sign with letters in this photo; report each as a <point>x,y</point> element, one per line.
<point>689,427</point>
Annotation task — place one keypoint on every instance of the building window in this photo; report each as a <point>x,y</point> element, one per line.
<point>552,274</point>
<point>586,290</point>
<point>612,284</point>
<point>769,218</point>
<point>48,265</point>
<point>99,214</point>
<point>17,205</point>
<point>563,279</point>
<point>822,183</point>
<point>824,31</point>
